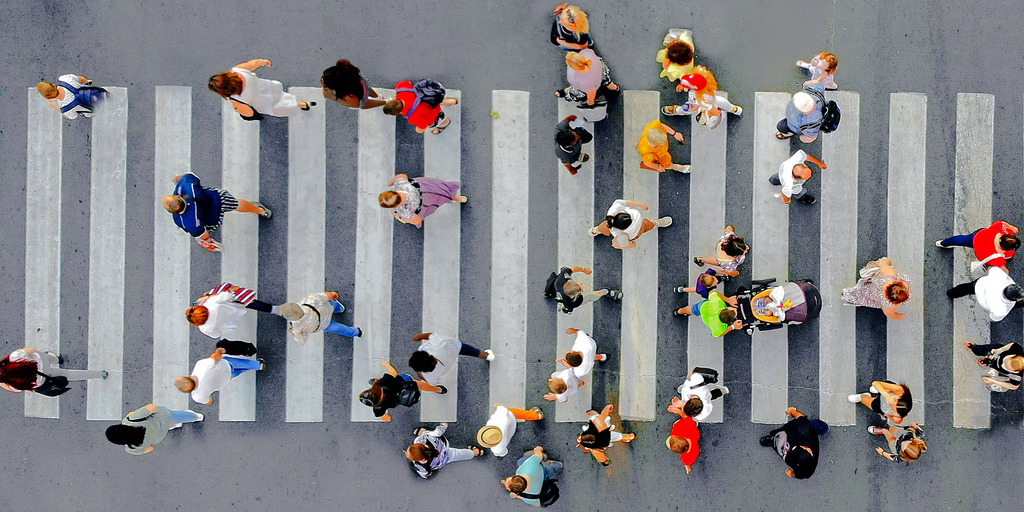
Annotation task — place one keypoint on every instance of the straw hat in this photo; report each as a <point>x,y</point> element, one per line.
<point>488,436</point>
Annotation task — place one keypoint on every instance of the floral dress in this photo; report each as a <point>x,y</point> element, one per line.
<point>870,290</point>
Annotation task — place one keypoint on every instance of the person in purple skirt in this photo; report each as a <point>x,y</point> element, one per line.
<point>412,199</point>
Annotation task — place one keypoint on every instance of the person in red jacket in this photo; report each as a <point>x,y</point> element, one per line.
<point>418,108</point>
<point>992,245</point>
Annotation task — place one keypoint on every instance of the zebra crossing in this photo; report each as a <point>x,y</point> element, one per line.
<point>509,277</point>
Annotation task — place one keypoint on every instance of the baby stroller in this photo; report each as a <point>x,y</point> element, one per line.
<point>767,307</point>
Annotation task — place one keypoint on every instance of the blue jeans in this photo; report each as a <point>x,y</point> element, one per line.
<point>960,240</point>
<point>181,416</point>
<point>340,328</point>
<point>469,350</point>
<point>241,365</point>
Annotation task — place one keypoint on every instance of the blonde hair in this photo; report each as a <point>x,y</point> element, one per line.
<point>572,288</point>
<point>48,90</point>
<point>581,23</point>
<point>711,86</point>
<point>1016,363</point>
<point>657,137</point>
<point>184,384</point>
<point>578,62</point>
<point>557,386</point>
<point>389,199</point>
<point>914,449</point>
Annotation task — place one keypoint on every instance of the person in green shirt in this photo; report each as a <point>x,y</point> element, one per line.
<point>717,311</point>
<point>143,428</point>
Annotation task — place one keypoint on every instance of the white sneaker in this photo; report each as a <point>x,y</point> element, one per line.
<point>875,430</point>
<point>738,110</point>
<point>938,243</point>
<point>725,390</point>
<point>176,425</point>
<point>685,169</point>
<point>873,390</point>
<point>855,398</point>
<point>593,231</point>
<point>490,354</point>
<point>664,222</point>
<point>201,417</point>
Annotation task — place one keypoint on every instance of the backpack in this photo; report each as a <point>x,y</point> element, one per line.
<point>830,113</point>
<point>551,293</point>
<point>548,493</point>
<point>427,91</point>
<point>52,386</point>
<point>410,394</point>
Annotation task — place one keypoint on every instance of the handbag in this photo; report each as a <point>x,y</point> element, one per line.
<point>975,265</point>
<point>256,116</point>
<point>52,386</point>
<point>548,494</point>
<point>710,374</point>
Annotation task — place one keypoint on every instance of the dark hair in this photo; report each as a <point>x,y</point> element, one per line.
<point>343,79</point>
<point>587,440</point>
<point>225,84</point>
<point>374,396</point>
<point>1013,292</point>
<point>127,435</point>
<point>422,361</point>
<point>621,220</point>
<point>18,374</point>
<point>735,246</point>
<point>574,358</point>
<point>897,292</point>
<point>517,484</point>
<point>421,451</point>
<point>565,137</point>
<point>678,444</point>
<point>678,52</point>
<point>1009,242</point>
<point>727,316</point>
<point>905,402</point>
<point>693,406</point>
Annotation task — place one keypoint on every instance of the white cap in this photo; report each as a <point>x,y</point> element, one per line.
<point>803,102</point>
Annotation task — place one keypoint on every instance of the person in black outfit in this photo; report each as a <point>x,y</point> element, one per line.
<point>570,293</point>
<point>599,434</point>
<point>394,389</point>
<point>570,136</point>
<point>1006,363</point>
<point>797,443</point>
<point>570,29</point>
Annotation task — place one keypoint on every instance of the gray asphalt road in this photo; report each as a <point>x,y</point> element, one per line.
<point>938,48</point>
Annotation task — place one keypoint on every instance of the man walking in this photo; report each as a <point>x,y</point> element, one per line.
<point>570,136</point>
<point>696,394</point>
<point>571,293</point>
<point>421,105</point>
<point>791,177</point>
<point>803,116</point>
<point>213,374</point>
<point>995,291</point>
<point>438,354</point>
<point>797,443</point>
<point>198,210</point>
<point>684,438</point>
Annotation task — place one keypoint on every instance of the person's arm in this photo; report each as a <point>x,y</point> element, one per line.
<point>893,312</point>
<point>807,139</point>
<point>243,109</point>
<point>1006,385</point>
<point>673,133</point>
<point>175,179</point>
<point>689,468</point>
<point>601,421</point>
<point>217,354</point>
<point>420,336</point>
<point>151,408</point>
<point>563,362</point>
<point>792,411</point>
<point>1002,349</point>
<point>415,220</point>
<point>676,407</point>
<point>439,430</point>
<point>814,160</point>
<point>390,369</point>
<point>539,451</point>
<point>888,392</point>
<point>637,204</point>
<point>585,270</point>
<point>426,386</point>
<point>395,178</point>
<point>149,449</point>
<point>784,198</point>
<point>255,64</point>
<point>550,397</point>
<point>732,301</point>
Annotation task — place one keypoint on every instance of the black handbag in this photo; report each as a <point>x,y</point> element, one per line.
<point>710,374</point>
<point>548,494</point>
<point>52,386</point>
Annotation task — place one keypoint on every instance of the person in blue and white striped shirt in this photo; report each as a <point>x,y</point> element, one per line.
<point>198,210</point>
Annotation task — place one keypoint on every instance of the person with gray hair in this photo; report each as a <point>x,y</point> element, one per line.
<point>313,314</point>
<point>995,291</point>
<point>804,116</point>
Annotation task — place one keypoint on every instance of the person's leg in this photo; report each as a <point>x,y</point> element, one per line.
<point>459,454</point>
<point>552,469</point>
<point>593,295</point>
<point>961,290</point>
<point>616,436</point>
<point>783,128</point>
<point>338,307</point>
<point>469,350</point>
<point>247,207</point>
<point>344,330</point>
<point>983,350</point>
<point>726,106</point>
<point>820,426</point>
<point>55,371</point>
<point>959,240</point>
<point>602,229</point>
<point>533,414</point>
<point>185,416</point>
<point>241,365</point>
<point>774,180</point>
<point>716,392</point>
<point>260,306</point>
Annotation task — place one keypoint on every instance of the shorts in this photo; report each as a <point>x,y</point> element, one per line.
<point>228,203</point>
<point>440,117</point>
<point>695,309</point>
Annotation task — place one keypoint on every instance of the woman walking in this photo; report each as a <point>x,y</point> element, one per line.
<point>28,369</point>
<point>412,199</point>
<point>880,286</point>
<point>72,95</point>
<point>590,84</point>
<point>886,398</point>
<point>431,451</point>
<point>142,429</point>
<point>625,224</point>
<point>570,29</point>
<point>1005,364</point>
<point>394,389</point>
<point>343,83</point>
<point>313,314</point>
<point>599,434</point>
<point>676,56</point>
<point>703,100</point>
<point>252,95</point>
<point>730,253</point>
<point>906,444</point>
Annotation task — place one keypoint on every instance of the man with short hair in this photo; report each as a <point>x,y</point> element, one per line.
<point>804,116</point>
<point>797,443</point>
<point>213,374</point>
<point>717,311</point>
<point>531,472</point>
<point>578,362</point>
<point>995,291</point>
<point>792,175</point>
<point>684,438</point>
<point>438,353</point>
<point>198,210</point>
<point>570,136</point>
<point>571,293</point>
<point>697,392</point>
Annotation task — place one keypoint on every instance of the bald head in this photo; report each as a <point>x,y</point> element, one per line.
<point>174,204</point>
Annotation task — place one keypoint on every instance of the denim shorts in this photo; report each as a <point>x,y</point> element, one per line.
<point>695,309</point>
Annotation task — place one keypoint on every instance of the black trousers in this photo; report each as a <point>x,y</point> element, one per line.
<point>962,290</point>
<point>259,305</point>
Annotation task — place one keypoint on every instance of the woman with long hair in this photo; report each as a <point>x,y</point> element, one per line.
<point>142,429</point>
<point>599,434</point>
<point>430,451</point>
<point>730,253</point>
<point>252,95</point>
<point>889,400</point>
<point>412,199</point>
<point>703,100</point>
<point>27,369</point>
<point>1005,364</point>
<point>880,286</point>
<point>343,83</point>
<point>394,389</point>
<point>906,444</point>
<point>590,80</point>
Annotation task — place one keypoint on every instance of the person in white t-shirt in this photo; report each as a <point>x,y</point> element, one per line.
<point>624,223</point>
<point>995,291</point>
<point>501,426</point>
<point>438,354</point>
<point>792,175</point>
<point>578,363</point>
<point>213,374</point>
<point>563,385</point>
<point>697,392</point>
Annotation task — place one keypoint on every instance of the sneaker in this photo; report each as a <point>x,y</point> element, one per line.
<point>584,157</point>
<point>679,289</point>
<point>443,391</point>
<point>539,412</point>
<point>697,261</point>
<point>664,222</point>
<point>490,354</point>
<point>615,294</point>
<point>767,440</point>
<point>808,199</point>
<point>673,110</point>
<point>201,416</point>
<point>875,430</point>
<point>604,357</point>
<point>938,243</point>
<point>176,425</point>
<point>854,399</point>
<point>738,110</point>
<point>725,390</point>
<point>873,390</point>
<point>104,374</point>
<point>358,334</point>
<point>266,211</point>
<point>593,231</point>
<point>685,169</point>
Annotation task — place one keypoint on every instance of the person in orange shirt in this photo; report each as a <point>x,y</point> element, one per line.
<point>653,148</point>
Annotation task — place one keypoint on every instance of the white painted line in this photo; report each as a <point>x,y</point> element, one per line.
<point>239,235</point>
<point>972,188</point>
<point>769,350</point>
<point>307,199</point>
<point>374,229</point>
<point>638,368</point>
<point>706,219</point>
<point>575,247</point>
<point>442,243</point>
<point>42,239</point>
<point>510,239</point>
<point>905,338</point>
<point>172,155</point>
<point>106,254</point>
<point>837,327</point>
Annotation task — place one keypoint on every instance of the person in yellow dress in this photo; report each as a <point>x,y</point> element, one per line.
<point>653,148</point>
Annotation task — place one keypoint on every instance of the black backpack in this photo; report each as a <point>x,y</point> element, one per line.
<point>52,386</point>
<point>410,394</point>
<point>830,113</point>
<point>548,494</point>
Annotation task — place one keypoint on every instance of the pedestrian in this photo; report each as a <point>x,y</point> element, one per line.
<point>797,443</point>
<point>313,314</point>
<point>343,83</point>
<point>216,313</point>
<point>889,400</point>
<point>431,451</point>
<point>804,115</point>
<point>393,389</point>
<point>590,87</point>
<point>439,353</point>
<point>501,426</point>
<point>730,253</point>
<point>1005,362</point>
<point>28,369</point>
<point>880,286</point>
<point>995,291</point>
<point>570,136</point>
<point>534,481</point>
<point>412,199</point>
<point>676,56</point>
<point>213,374</point>
<point>599,433</point>
<point>823,69</point>
<point>142,429</point>
<point>578,362</point>
<point>697,392</point>
<point>197,210</point>
<point>252,96</point>
<point>706,282</point>
<point>906,444</point>
<point>421,105</point>
<point>72,95</point>
<point>684,438</point>
<point>718,312</point>
<point>563,385</point>
<point>792,175</point>
<point>625,224</point>
<point>703,101</point>
<point>653,148</point>
<point>993,245</point>
<point>571,293</point>
<point>570,28</point>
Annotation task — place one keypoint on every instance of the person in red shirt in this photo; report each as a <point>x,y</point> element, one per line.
<point>992,245</point>
<point>684,439</point>
<point>424,115</point>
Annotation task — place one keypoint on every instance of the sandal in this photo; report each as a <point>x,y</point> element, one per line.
<point>783,136</point>
<point>438,129</point>
<point>307,105</point>
<point>671,110</point>
<point>969,345</point>
<point>417,431</point>
<point>477,451</point>
<point>697,261</point>
<point>629,439</point>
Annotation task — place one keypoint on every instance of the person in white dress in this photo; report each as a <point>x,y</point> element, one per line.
<point>251,95</point>
<point>625,224</point>
<point>313,314</point>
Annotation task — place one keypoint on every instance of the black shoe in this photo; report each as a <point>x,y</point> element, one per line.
<point>359,334</point>
<point>443,390</point>
<point>767,441</point>
<point>949,293</point>
<point>698,262</point>
<point>675,312</point>
<point>808,199</point>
